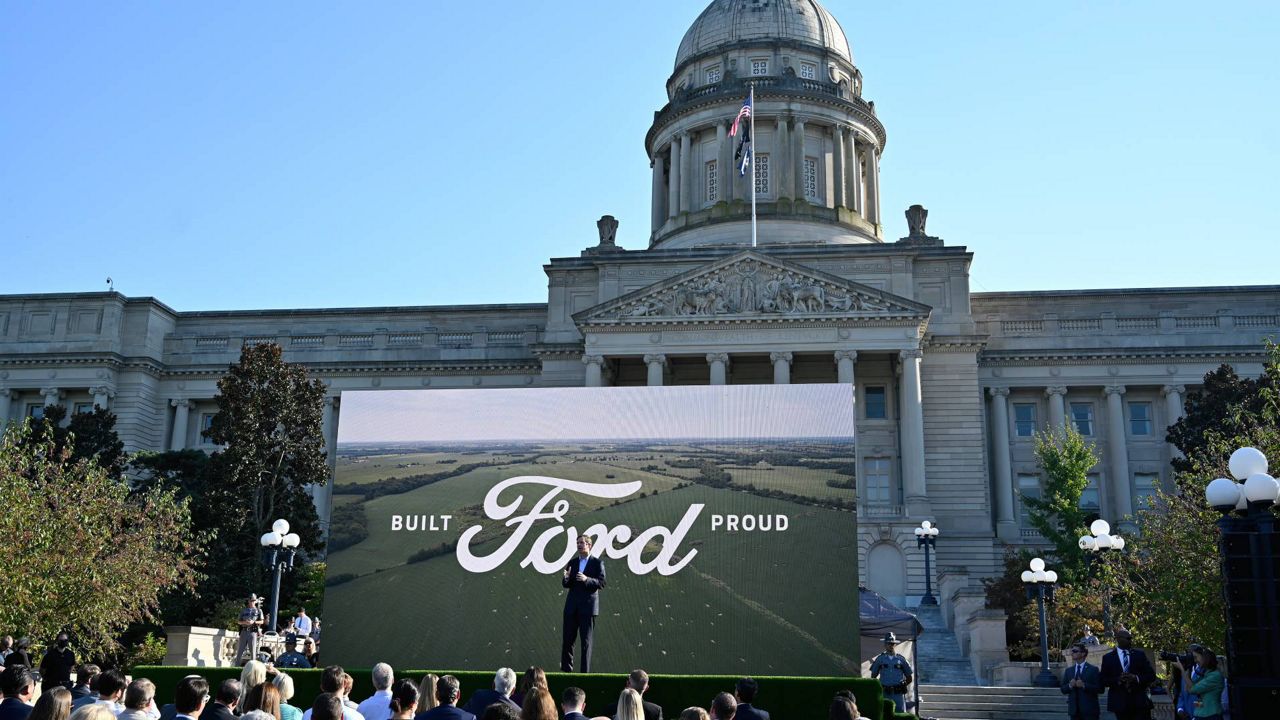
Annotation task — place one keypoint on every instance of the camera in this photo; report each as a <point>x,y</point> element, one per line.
<point>1187,660</point>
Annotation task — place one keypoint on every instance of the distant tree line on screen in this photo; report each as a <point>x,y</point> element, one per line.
<point>407,483</point>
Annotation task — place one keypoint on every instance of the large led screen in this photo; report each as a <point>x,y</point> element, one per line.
<point>723,517</point>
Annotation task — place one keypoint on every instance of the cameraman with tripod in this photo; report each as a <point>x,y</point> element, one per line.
<point>250,622</point>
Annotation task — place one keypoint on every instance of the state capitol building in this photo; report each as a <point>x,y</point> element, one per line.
<point>950,384</point>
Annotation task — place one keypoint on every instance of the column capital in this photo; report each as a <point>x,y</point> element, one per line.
<point>52,391</point>
<point>1113,390</point>
<point>998,392</point>
<point>655,359</point>
<point>103,390</point>
<point>718,357</point>
<point>911,354</point>
<point>181,403</point>
<point>1055,390</point>
<point>593,360</point>
<point>846,355</point>
<point>1168,390</point>
<point>777,357</point>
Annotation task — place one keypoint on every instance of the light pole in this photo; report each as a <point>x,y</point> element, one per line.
<point>1247,548</point>
<point>278,548</point>
<point>1040,586</point>
<point>1095,543</point>
<point>926,537</point>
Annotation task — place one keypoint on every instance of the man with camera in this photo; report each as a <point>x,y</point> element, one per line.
<point>250,622</point>
<point>1126,675</point>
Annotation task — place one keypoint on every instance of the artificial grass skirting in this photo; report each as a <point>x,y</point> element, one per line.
<point>786,698</point>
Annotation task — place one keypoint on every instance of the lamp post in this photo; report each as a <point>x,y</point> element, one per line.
<point>1095,543</point>
<point>278,548</point>
<point>926,537</point>
<point>1040,584</point>
<point>1247,547</point>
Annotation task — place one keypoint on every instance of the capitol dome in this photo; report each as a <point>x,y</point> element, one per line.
<point>726,23</point>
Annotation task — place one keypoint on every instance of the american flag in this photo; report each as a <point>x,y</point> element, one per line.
<point>743,114</point>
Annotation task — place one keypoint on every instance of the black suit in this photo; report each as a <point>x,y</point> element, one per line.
<point>1128,702</point>
<point>14,709</point>
<point>217,711</point>
<point>484,698</point>
<point>1082,703</point>
<point>652,711</point>
<point>581,606</point>
<point>439,712</point>
<point>575,716</point>
<point>747,712</point>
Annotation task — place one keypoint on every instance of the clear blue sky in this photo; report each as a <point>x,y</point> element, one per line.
<point>287,154</point>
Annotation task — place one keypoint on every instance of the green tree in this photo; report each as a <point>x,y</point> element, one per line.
<point>82,551</point>
<point>88,435</point>
<point>1066,459</point>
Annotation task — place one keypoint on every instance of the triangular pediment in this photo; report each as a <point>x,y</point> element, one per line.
<point>750,286</point>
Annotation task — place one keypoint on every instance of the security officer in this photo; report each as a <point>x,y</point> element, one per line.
<point>250,622</point>
<point>894,672</point>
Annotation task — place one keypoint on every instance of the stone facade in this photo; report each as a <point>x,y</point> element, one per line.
<point>949,382</point>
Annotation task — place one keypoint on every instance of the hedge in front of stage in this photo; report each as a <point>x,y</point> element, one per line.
<point>792,697</point>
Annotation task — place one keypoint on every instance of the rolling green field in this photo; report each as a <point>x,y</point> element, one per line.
<point>748,602</point>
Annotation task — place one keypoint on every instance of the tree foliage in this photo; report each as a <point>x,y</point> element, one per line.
<point>1066,460</point>
<point>87,436</point>
<point>82,551</point>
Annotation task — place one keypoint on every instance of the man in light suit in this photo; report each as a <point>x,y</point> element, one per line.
<point>584,577</point>
<point>1126,675</point>
<point>1082,683</point>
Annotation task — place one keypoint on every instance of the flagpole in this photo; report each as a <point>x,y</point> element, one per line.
<point>752,182</point>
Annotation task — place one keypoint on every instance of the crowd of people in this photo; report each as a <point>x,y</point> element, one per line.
<point>266,692</point>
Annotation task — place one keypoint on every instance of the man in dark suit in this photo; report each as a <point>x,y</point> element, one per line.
<point>191,697</point>
<point>224,705</point>
<point>638,680</point>
<point>1082,683</point>
<point>448,690</point>
<point>745,692</point>
<point>584,576</point>
<point>1126,675</point>
<point>572,703</point>
<point>504,682</point>
<point>19,689</point>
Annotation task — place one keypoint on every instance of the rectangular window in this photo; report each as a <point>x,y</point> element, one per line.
<point>761,165</point>
<point>808,71</point>
<point>82,408</point>
<point>1089,498</point>
<point>877,488</point>
<point>811,178</point>
<point>1144,490</point>
<point>1028,487</point>
<point>713,75</point>
<point>1082,416</point>
<point>1139,418</point>
<point>35,411</point>
<point>875,402</point>
<point>760,66</point>
<point>1024,419</point>
<point>713,182</point>
<point>206,422</point>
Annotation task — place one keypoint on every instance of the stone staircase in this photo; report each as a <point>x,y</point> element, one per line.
<point>938,657</point>
<point>957,702</point>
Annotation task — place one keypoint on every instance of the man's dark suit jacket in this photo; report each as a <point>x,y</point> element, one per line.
<point>652,711</point>
<point>484,698</point>
<point>14,709</point>
<point>1119,698</point>
<point>574,716</point>
<point>1083,702</point>
<point>584,594</point>
<point>747,712</point>
<point>440,712</point>
<point>217,711</point>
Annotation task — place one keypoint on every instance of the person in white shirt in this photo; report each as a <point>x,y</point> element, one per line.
<point>331,683</point>
<point>378,705</point>
<point>111,687</point>
<point>302,623</point>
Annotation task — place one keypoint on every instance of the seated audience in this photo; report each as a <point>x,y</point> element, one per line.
<point>533,677</point>
<point>843,707</point>
<point>499,711</point>
<point>504,683</point>
<point>54,704</point>
<point>328,706</point>
<point>264,698</point>
<point>97,711</point>
<point>573,703</point>
<point>19,688</point>
<point>404,700</point>
<point>111,687</point>
<point>448,690</point>
<point>745,693</point>
<point>284,684</point>
<point>225,701</point>
<point>694,713</point>
<point>252,675</point>
<point>331,683</point>
<point>630,706</point>
<point>538,705</point>
<point>638,680</point>
<point>191,697</point>
<point>427,692</point>
<point>84,674</point>
<point>724,707</point>
<point>139,701</point>
<point>378,705</point>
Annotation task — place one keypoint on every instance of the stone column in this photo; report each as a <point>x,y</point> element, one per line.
<point>721,167</point>
<point>797,159</point>
<point>686,174</point>
<point>6,405</point>
<point>845,360</point>
<point>101,396</point>
<point>837,168</point>
<point>781,367</point>
<point>1173,409</point>
<point>323,495</point>
<point>911,432</point>
<point>329,425</point>
<point>673,180</point>
<point>1057,407</point>
<point>728,172</point>
<point>181,413</point>
<point>52,395</point>
<point>658,213</point>
<point>855,175</point>
<point>656,363</point>
<point>595,370</point>
<point>1118,450</point>
<point>873,185</point>
<point>1006,528</point>
<point>719,363</point>
<point>781,169</point>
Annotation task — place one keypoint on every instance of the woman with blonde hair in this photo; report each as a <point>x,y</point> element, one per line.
<point>253,675</point>
<point>266,698</point>
<point>694,713</point>
<point>630,706</point>
<point>54,704</point>
<point>96,711</point>
<point>284,684</point>
<point>427,693</point>
<point>538,705</point>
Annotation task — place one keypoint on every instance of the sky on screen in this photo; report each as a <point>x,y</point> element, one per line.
<point>613,413</point>
<point>258,155</point>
